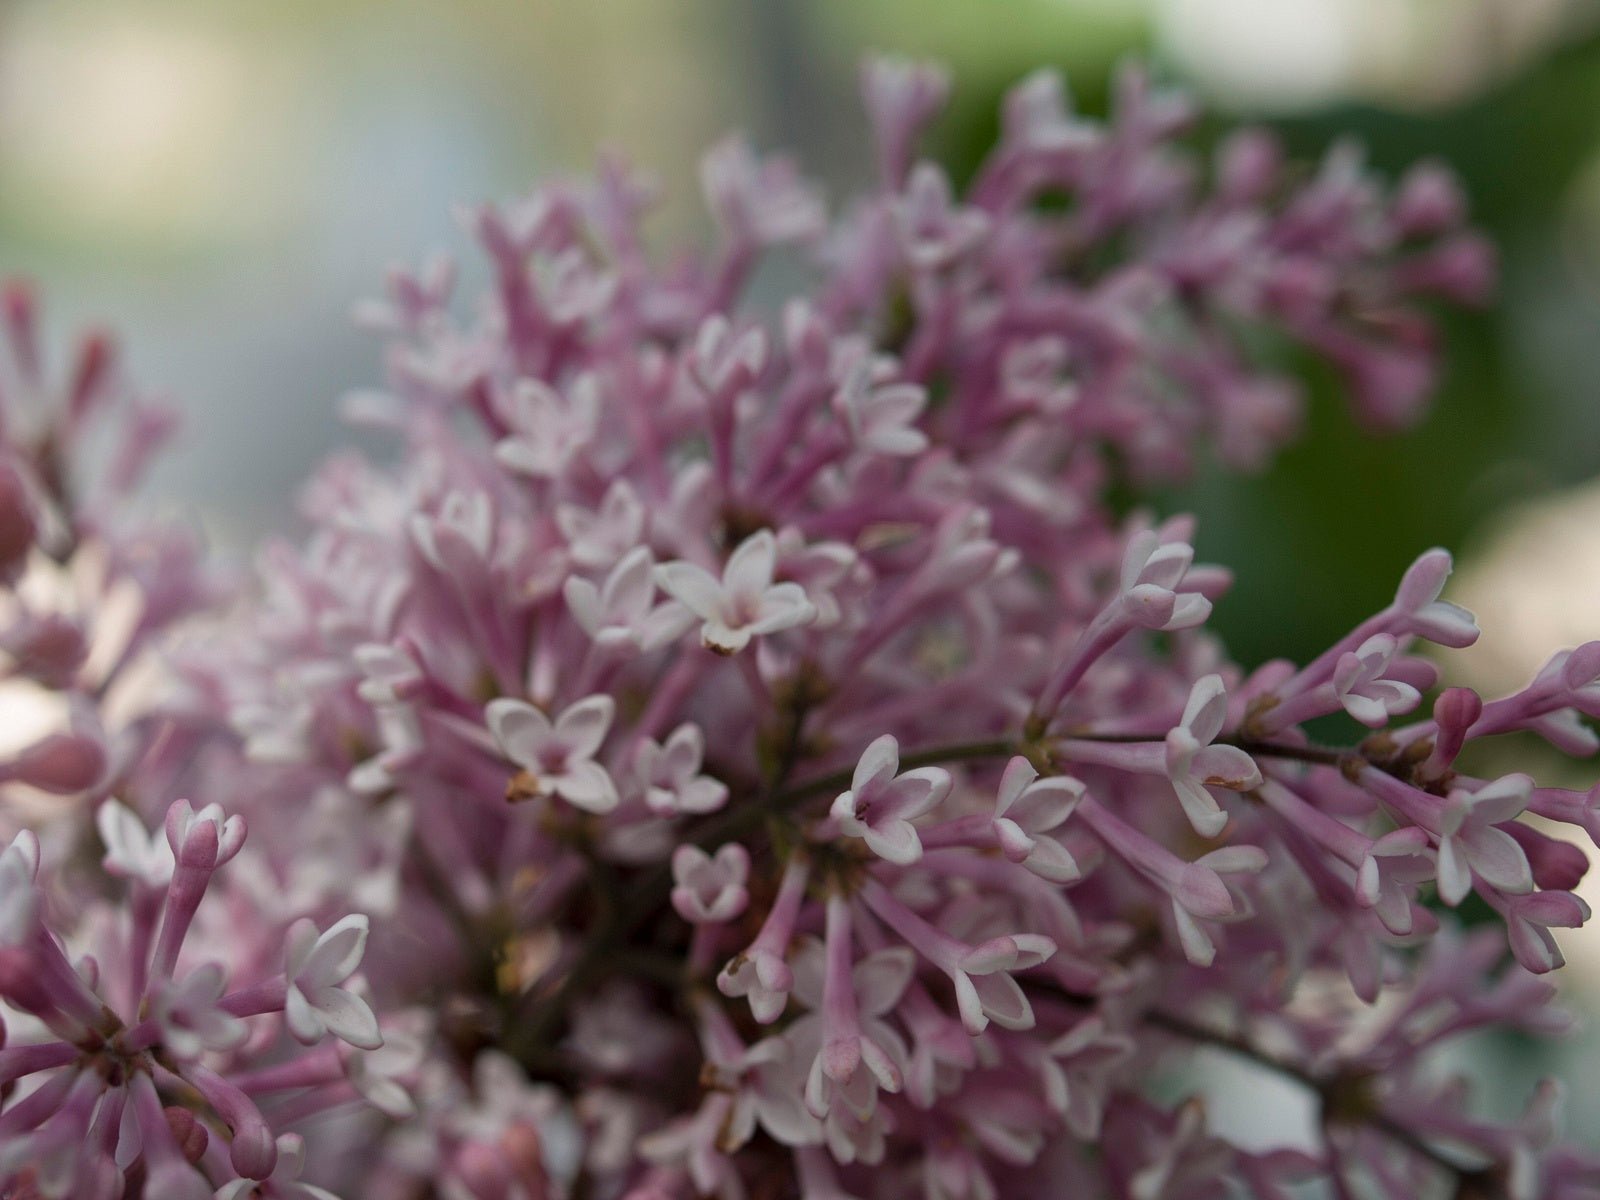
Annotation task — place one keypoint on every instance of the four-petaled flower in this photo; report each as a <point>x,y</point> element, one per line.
<point>745,603</point>
<point>881,417</point>
<point>1194,765</point>
<point>1417,600</point>
<point>556,759</point>
<point>934,230</point>
<point>881,804</point>
<point>1359,683</point>
<point>1078,1073</point>
<point>1388,875</point>
<point>190,1017</point>
<point>1152,574</point>
<point>985,989</point>
<point>1027,810</point>
<point>761,975</point>
<point>622,612</point>
<point>598,538</point>
<point>457,541</point>
<point>710,888</point>
<point>670,773</point>
<point>1469,841</point>
<point>760,200</point>
<point>315,964</point>
<point>132,851</point>
<point>547,429</point>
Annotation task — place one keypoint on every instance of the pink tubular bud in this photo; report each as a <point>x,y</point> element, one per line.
<point>20,310</point>
<point>1582,666</point>
<point>48,649</point>
<point>1429,202</point>
<point>1454,713</point>
<point>1557,865</point>
<point>188,1132</point>
<point>17,526</point>
<point>1248,164</point>
<point>62,763</point>
<point>901,97</point>
<point>91,376</point>
<point>484,1171</point>
<point>254,1151</point>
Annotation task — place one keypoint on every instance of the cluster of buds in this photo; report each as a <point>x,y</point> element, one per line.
<point>128,1067</point>
<point>129,1060</point>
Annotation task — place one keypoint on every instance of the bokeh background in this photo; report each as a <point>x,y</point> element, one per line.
<point>221,179</point>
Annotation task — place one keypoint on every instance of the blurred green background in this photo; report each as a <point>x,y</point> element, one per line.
<point>222,179</point>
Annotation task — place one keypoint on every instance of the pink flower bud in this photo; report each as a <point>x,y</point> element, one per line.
<point>63,763</point>
<point>17,527</point>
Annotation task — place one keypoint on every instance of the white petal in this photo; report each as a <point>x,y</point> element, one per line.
<point>302,936</point>
<point>881,978</point>
<point>783,606</point>
<point>880,760</point>
<point>584,725</point>
<point>749,569</point>
<point>894,841</point>
<point>520,730</point>
<point>337,952</point>
<point>1207,709</point>
<point>1197,946</point>
<point>692,586</point>
<point>583,602</point>
<point>1019,773</point>
<point>302,1018</point>
<point>1051,860</point>
<point>588,786</point>
<point>1004,1001</point>
<point>347,1017</point>
<point>1455,879</point>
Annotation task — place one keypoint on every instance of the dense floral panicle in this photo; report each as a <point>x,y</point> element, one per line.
<point>117,1030</point>
<point>139,1045</point>
<point>756,744</point>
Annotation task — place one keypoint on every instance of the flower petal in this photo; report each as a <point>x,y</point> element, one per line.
<point>347,1017</point>
<point>583,726</point>
<point>519,729</point>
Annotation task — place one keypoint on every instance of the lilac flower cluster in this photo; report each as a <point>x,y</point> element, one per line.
<point>122,1046</point>
<point>768,765</point>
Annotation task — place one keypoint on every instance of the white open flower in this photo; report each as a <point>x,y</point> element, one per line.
<point>622,613</point>
<point>190,1017</point>
<point>1195,765</point>
<point>881,417</point>
<point>1361,685</point>
<point>547,429</point>
<point>670,773</point>
<point>132,851</point>
<point>744,603</point>
<point>1471,842</point>
<point>316,964</point>
<point>883,802</point>
<point>1027,811</point>
<point>557,759</point>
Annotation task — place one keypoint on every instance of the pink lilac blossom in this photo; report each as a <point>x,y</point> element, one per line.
<point>746,756</point>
